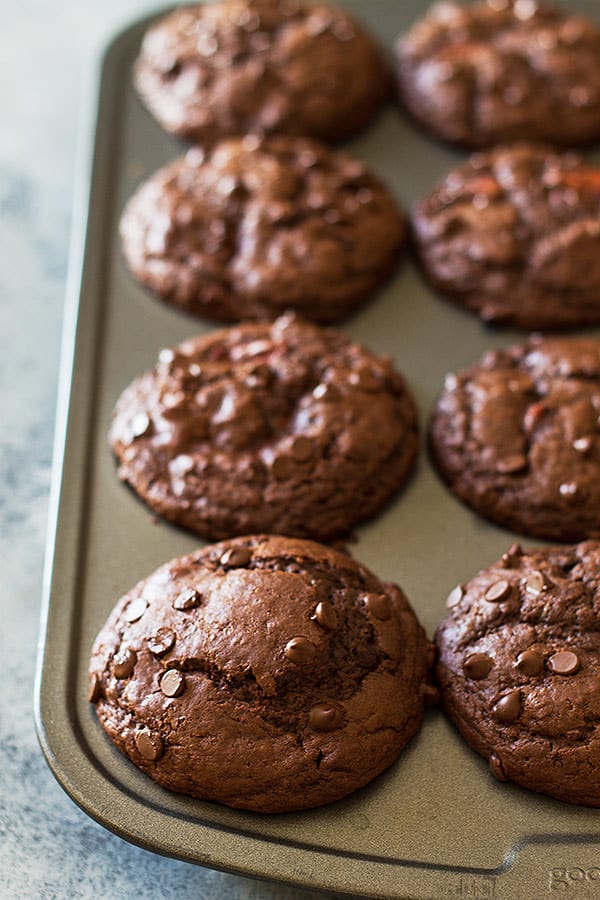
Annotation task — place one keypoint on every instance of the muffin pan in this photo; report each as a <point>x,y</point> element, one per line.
<point>436,824</point>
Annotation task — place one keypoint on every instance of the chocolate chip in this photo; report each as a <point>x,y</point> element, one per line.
<point>455,596</point>
<point>326,616</point>
<point>354,169</point>
<point>228,186</point>
<point>565,662</point>
<point>514,94</point>
<point>236,557</point>
<point>508,708</point>
<point>324,717</point>
<point>316,200</point>
<point>166,356</point>
<point>95,691</point>
<point>326,392</point>
<point>583,445</point>
<point>123,663</point>
<point>140,425</point>
<point>535,583</point>
<point>477,665</point>
<point>250,349</point>
<point>366,380</point>
<point>300,651</point>
<point>302,449</point>
<point>172,683</point>
<point>260,41</point>
<point>207,45</point>
<point>187,599</point>
<point>343,30</point>
<point>136,609</point>
<point>378,605</point>
<point>529,662</point>
<point>281,212</point>
<point>525,9</point>
<point>283,467</point>
<point>249,21</point>
<point>173,402</point>
<point>307,159</point>
<point>568,488</point>
<point>317,25</point>
<point>364,196</point>
<point>497,768</point>
<point>161,641</point>
<point>182,465</point>
<point>511,464</point>
<point>547,40</point>
<point>261,376</point>
<point>498,591</point>
<point>512,554</point>
<point>150,745</point>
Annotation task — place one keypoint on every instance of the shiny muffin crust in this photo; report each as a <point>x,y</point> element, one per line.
<point>265,673</point>
<point>519,668</point>
<point>235,67</point>
<point>513,235</point>
<point>283,427</point>
<point>503,70</point>
<point>255,227</point>
<point>516,436</point>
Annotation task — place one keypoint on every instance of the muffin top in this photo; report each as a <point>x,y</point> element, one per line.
<point>265,673</point>
<point>261,66</point>
<point>512,234</point>
<point>256,227</point>
<point>287,428</point>
<point>516,437</point>
<point>502,70</point>
<point>519,668</point>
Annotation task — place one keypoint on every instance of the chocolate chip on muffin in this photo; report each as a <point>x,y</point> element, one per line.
<point>519,669</point>
<point>282,688</point>
<point>241,66</point>
<point>513,235</point>
<point>517,437</point>
<point>502,70</point>
<point>283,427</point>
<point>254,228</point>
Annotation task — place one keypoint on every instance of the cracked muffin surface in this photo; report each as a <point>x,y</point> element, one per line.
<point>518,668</point>
<point>284,427</point>
<point>265,673</point>
<point>516,436</point>
<point>502,70</point>
<point>241,66</point>
<point>254,227</point>
<point>512,234</point>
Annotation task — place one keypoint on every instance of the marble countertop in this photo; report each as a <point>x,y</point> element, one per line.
<point>49,848</point>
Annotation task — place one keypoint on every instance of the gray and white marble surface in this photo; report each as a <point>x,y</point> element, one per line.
<point>48,847</point>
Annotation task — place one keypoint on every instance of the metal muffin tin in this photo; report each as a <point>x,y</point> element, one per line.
<point>436,824</point>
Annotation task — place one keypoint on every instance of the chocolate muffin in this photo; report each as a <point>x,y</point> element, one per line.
<point>513,234</point>
<point>502,70</point>
<point>516,437</point>
<point>255,227</point>
<point>261,66</point>
<point>265,673</point>
<point>519,668</point>
<point>285,427</point>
